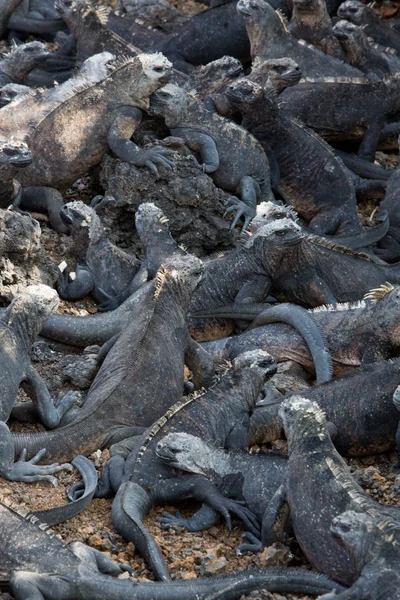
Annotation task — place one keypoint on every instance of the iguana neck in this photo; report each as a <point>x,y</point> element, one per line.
<point>267,27</point>
<point>84,237</point>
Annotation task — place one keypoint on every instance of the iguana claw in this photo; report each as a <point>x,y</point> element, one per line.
<point>28,471</point>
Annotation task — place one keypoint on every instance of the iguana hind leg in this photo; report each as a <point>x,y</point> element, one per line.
<point>26,585</point>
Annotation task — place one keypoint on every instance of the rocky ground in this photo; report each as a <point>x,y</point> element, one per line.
<point>188,554</point>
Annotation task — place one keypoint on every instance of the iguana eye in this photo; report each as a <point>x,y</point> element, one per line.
<point>158,69</point>
<point>281,232</point>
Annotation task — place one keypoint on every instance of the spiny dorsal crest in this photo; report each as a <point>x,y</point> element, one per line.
<point>103,13</point>
<point>25,514</point>
<point>320,241</point>
<point>345,480</point>
<point>160,279</point>
<point>283,20</point>
<point>346,80</point>
<point>224,367</point>
<point>380,292</point>
<point>342,306</point>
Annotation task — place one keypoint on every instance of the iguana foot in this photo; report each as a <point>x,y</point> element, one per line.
<point>242,210</point>
<point>28,471</point>
<point>168,520</point>
<point>254,544</point>
<point>64,403</point>
<point>154,156</point>
<point>225,506</point>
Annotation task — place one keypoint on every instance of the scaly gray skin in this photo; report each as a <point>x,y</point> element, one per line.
<point>90,31</point>
<point>303,322</point>
<point>310,22</point>
<point>134,385</point>
<point>267,212</point>
<point>233,158</point>
<point>372,542</point>
<point>11,91</point>
<point>365,415</point>
<point>307,269</point>
<point>252,478</point>
<point>188,46</point>
<point>133,30</point>
<point>389,247</point>
<point>313,458</point>
<point>360,53</point>
<point>16,65</point>
<point>106,122</point>
<point>221,415</point>
<point>20,325</point>
<point>359,333</point>
<point>152,227</point>
<point>361,14</point>
<point>354,105</point>
<point>269,38</point>
<point>6,10</point>
<point>214,76</point>
<point>20,119</point>
<point>102,269</point>
<point>37,565</point>
<point>325,195</point>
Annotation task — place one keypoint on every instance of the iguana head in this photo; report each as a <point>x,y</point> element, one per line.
<point>171,103</point>
<point>353,11</point>
<point>150,220</point>
<point>186,452</point>
<point>255,359</point>
<point>245,95</point>
<point>282,72</point>
<point>32,307</point>
<point>156,72</point>
<point>261,20</point>
<point>95,68</point>
<point>365,536</point>
<point>345,30</point>
<point>386,308</point>
<point>26,56</point>
<point>272,241</point>
<point>74,11</point>
<point>11,91</point>
<point>181,275</point>
<point>210,78</point>
<point>82,221</point>
<point>302,418</point>
<point>14,155</point>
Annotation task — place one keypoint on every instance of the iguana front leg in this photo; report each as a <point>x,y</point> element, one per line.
<point>249,191</point>
<point>201,520</point>
<point>370,140</point>
<point>22,470</point>
<point>200,363</point>
<point>123,127</point>
<point>50,413</point>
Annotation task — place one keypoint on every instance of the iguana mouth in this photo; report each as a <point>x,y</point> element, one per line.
<point>66,218</point>
<point>165,453</point>
<point>21,162</point>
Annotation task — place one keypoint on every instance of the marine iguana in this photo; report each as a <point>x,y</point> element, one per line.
<point>20,325</point>
<point>269,38</point>
<point>324,194</point>
<point>6,10</point>
<point>189,46</point>
<point>144,480</point>
<point>152,227</point>
<point>36,565</point>
<point>18,120</point>
<point>102,268</point>
<point>313,458</point>
<point>16,64</point>
<point>359,52</point>
<point>365,415</point>
<point>345,109</point>
<point>389,247</point>
<point>252,478</point>
<point>352,336</point>
<point>375,28</point>
<point>372,542</point>
<point>110,110</point>
<point>89,28</point>
<point>310,22</point>
<point>119,403</point>
<point>233,158</point>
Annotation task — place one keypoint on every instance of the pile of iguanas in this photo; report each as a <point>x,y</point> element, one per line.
<point>199,227</point>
